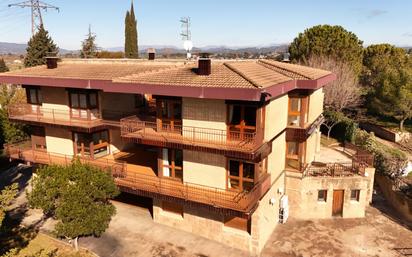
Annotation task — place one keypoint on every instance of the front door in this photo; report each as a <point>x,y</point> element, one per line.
<point>337,206</point>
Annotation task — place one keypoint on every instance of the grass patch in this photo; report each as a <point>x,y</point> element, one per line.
<point>46,244</point>
<point>325,141</point>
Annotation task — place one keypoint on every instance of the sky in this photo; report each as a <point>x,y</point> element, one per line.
<point>234,23</point>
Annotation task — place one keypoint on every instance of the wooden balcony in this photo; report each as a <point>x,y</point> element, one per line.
<point>188,136</point>
<point>131,178</point>
<point>86,119</point>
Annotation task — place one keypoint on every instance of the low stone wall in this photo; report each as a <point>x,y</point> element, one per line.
<point>398,200</point>
<point>384,133</point>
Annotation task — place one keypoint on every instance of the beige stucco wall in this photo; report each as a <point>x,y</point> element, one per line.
<point>116,142</point>
<point>276,159</point>
<point>204,113</point>
<point>276,116</point>
<point>116,102</point>
<point>311,147</point>
<point>55,103</point>
<point>315,105</point>
<point>303,193</point>
<point>204,169</point>
<point>266,217</point>
<point>59,140</point>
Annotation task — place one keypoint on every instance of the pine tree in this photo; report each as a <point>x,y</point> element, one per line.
<point>3,66</point>
<point>38,48</point>
<point>131,43</point>
<point>89,47</point>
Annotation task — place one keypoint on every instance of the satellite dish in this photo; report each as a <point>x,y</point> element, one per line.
<point>188,45</point>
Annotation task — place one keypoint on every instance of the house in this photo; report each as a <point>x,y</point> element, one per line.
<point>225,149</point>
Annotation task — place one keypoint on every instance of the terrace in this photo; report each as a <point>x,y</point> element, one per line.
<point>142,180</point>
<point>87,118</point>
<point>135,129</point>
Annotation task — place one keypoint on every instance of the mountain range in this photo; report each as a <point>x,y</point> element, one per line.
<point>17,48</point>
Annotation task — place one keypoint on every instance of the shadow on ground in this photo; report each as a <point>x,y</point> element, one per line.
<point>12,234</point>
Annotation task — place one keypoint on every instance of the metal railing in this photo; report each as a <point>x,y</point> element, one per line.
<point>133,180</point>
<point>132,127</point>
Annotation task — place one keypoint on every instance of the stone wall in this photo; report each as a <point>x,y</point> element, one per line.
<point>399,201</point>
<point>303,195</point>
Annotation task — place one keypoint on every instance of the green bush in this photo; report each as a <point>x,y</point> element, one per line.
<point>388,161</point>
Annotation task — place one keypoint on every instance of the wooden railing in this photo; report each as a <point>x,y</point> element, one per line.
<point>135,181</point>
<point>334,170</point>
<point>132,127</point>
<point>68,117</point>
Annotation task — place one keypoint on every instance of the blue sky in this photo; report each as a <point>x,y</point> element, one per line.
<point>214,22</point>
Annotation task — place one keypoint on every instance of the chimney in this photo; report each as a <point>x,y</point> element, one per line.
<point>51,60</point>
<point>152,53</point>
<point>204,65</point>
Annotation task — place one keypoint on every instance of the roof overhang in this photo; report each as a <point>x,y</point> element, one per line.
<point>211,92</point>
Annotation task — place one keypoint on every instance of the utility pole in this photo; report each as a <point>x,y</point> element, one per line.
<point>186,36</point>
<point>36,7</point>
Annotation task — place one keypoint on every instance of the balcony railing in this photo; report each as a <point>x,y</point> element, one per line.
<point>134,181</point>
<point>132,127</point>
<point>69,117</point>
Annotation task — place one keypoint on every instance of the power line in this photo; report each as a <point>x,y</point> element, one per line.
<point>36,7</point>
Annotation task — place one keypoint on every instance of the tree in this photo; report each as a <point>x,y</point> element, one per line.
<point>131,43</point>
<point>332,118</point>
<point>388,75</point>
<point>89,47</point>
<point>77,196</point>
<point>331,41</point>
<point>7,195</point>
<point>344,92</point>
<point>39,46</point>
<point>3,66</point>
<point>379,58</point>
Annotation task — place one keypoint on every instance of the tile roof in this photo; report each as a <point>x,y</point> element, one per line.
<point>91,70</point>
<point>249,74</point>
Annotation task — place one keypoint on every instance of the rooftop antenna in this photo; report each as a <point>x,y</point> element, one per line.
<point>36,7</point>
<point>186,36</point>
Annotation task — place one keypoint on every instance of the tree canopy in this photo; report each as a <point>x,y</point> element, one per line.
<point>3,66</point>
<point>77,196</point>
<point>330,41</point>
<point>39,46</point>
<point>131,48</point>
<point>89,47</point>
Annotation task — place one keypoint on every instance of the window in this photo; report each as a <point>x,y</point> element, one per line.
<point>243,175</point>
<point>298,111</point>
<point>293,155</point>
<point>354,195</point>
<point>238,223</point>
<point>34,96</point>
<point>322,195</point>
<point>169,114</point>
<point>241,121</point>
<point>93,145</point>
<point>172,164</point>
<point>83,100</point>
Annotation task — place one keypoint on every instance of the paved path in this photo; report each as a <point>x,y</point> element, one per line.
<point>132,232</point>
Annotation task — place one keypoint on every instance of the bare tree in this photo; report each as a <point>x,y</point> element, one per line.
<point>344,92</point>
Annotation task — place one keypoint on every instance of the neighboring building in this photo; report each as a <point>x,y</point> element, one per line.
<point>217,146</point>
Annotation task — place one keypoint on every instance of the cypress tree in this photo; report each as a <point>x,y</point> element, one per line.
<point>3,66</point>
<point>38,47</point>
<point>131,45</point>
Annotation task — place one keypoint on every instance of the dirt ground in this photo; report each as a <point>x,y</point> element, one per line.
<point>132,232</point>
